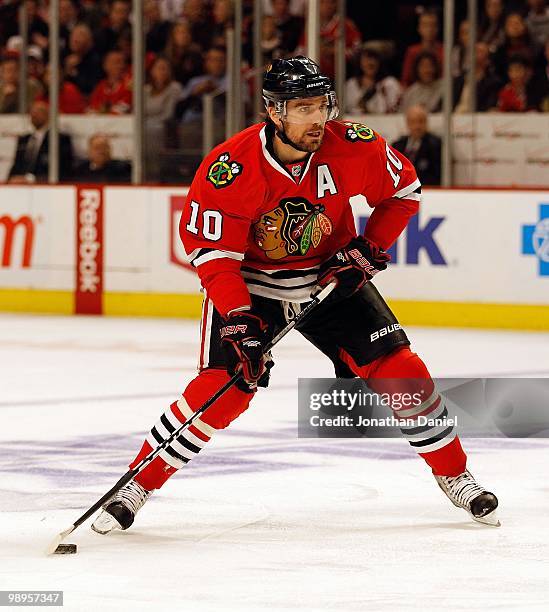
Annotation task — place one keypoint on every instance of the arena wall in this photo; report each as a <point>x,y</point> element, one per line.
<point>490,149</point>
<point>470,258</point>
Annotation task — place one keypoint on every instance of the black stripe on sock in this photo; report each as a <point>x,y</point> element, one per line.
<point>189,445</point>
<point>173,453</point>
<point>166,422</point>
<point>440,436</point>
<point>420,429</point>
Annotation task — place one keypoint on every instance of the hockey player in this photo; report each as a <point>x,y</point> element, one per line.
<point>266,220</point>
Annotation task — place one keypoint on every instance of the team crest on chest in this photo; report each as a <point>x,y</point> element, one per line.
<point>358,132</point>
<point>292,228</point>
<point>223,171</point>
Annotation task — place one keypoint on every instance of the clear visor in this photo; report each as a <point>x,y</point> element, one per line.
<point>306,111</point>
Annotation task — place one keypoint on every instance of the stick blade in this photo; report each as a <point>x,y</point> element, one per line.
<point>58,539</point>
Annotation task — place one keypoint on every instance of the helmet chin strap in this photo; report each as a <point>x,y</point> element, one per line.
<point>281,133</point>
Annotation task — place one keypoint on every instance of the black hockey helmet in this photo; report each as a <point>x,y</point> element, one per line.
<point>295,78</point>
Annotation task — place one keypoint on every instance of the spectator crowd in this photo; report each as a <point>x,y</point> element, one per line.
<point>186,56</point>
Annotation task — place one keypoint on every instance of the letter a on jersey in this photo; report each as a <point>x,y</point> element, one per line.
<point>325,182</point>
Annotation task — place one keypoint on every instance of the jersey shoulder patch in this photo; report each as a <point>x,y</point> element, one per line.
<point>228,161</point>
<point>223,171</point>
<point>358,132</point>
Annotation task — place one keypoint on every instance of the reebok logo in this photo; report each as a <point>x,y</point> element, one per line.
<point>89,245</point>
<point>89,250</point>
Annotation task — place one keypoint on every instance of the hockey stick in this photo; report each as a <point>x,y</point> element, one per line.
<point>130,474</point>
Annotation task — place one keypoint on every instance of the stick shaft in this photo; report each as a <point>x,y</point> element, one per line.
<point>130,474</point>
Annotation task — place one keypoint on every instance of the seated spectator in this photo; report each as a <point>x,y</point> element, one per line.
<point>428,32</point>
<point>196,15</point>
<point>537,21</point>
<point>280,34</point>
<point>543,81</point>
<point>35,63</point>
<point>271,41</point>
<point>288,27</point>
<point>100,167</point>
<point>518,95</point>
<point>92,14</point>
<point>488,84</point>
<point>427,86</point>
<point>491,26</point>
<point>213,79</point>
<point>171,10</point>
<point>222,13</point>
<point>37,28</point>
<point>113,94</point>
<point>517,42</point>
<point>71,100</point>
<point>9,86</point>
<point>82,64</point>
<point>460,52</point>
<point>31,161</point>
<point>297,7</point>
<point>421,147</point>
<point>118,24</point>
<point>372,91</point>
<point>156,28</point>
<point>329,27</point>
<point>184,55</point>
<point>162,93</point>
<point>124,45</point>
<point>68,18</point>
<point>35,57</point>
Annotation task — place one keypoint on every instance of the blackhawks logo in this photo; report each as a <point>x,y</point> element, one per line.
<point>223,171</point>
<point>357,132</point>
<point>291,228</point>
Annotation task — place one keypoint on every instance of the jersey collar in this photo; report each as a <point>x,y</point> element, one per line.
<point>276,164</point>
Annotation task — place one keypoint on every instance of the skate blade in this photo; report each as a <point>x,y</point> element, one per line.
<point>105,523</point>
<point>489,519</point>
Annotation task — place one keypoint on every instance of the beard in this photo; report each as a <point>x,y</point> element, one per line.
<point>310,145</point>
<point>309,141</point>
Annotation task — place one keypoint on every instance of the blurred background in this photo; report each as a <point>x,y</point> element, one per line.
<point>130,95</point>
<point>139,91</point>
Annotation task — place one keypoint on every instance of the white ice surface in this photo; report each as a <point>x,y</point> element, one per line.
<point>262,519</point>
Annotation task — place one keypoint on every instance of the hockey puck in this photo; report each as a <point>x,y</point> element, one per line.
<point>65,549</point>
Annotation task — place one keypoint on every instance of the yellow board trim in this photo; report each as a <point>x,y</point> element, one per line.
<point>37,300</point>
<point>472,314</point>
<point>188,306</point>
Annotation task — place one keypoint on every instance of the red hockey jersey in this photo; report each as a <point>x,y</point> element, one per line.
<point>251,224</point>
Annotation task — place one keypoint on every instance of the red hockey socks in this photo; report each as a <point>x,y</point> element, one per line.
<point>437,444</point>
<point>193,439</point>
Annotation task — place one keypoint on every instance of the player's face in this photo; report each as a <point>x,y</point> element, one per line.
<point>305,120</point>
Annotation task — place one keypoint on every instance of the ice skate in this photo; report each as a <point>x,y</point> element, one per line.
<point>119,512</point>
<point>465,492</point>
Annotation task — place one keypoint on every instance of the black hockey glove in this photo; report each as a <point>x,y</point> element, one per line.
<point>243,338</point>
<point>352,267</point>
